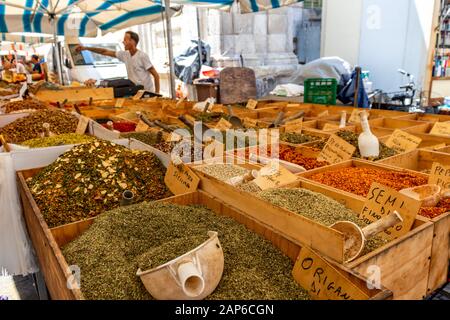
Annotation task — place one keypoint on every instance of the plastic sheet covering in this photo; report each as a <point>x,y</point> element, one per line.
<point>187,66</point>
<point>16,253</point>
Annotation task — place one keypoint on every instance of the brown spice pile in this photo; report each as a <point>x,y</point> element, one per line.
<point>432,212</point>
<point>23,105</point>
<point>358,180</point>
<point>30,127</point>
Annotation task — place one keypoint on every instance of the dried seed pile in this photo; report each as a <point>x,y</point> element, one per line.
<point>208,117</point>
<point>90,178</point>
<point>30,127</point>
<point>297,138</point>
<point>110,251</point>
<point>432,212</point>
<point>150,138</point>
<point>62,139</point>
<point>23,105</point>
<point>358,180</point>
<point>352,138</point>
<point>225,172</point>
<point>319,208</point>
<point>181,148</point>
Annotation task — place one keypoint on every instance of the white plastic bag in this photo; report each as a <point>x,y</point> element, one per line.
<point>16,251</point>
<point>288,90</point>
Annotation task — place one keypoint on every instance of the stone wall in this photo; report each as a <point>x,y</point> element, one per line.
<point>264,38</point>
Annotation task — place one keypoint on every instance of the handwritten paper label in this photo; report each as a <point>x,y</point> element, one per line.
<point>402,141</point>
<point>336,150</point>
<point>355,118</point>
<point>181,179</point>
<point>294,125</point>
<point>441,129</point>
<point>82,125</point>
<point>251,104</point>
<point>250,123</point>
<point>274,175</point>
<point>382,201</point>
<point>173,137</point>
<point>120,102</point>
<point>141,126</point>
<point>440,175</point>
<point>139,95</point>
<point>223,125</point>
<point>330,127</point>
<point>323,114</point>
<point>322,280</point>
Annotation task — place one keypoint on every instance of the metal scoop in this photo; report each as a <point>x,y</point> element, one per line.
<point>355,237</point>
<point>235,121</point>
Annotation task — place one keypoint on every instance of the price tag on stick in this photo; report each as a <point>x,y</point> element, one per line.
<point>322,280</point>
<point>336,150</point>
<point>441,129</point>
<point>251,104</point>
<point>120,102</point>
<point>274,175</point>
<point>181,179</point>
<point>382,201</point>
<point>402,141</point>
<point>141,126</point>
<point>82,125</point>
<point>440,175</point>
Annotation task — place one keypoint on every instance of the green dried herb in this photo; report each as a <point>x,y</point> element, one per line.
<point>90,178</point>
<point>297,138</point>
<point>225,172</point>
<point>62,139</point>
<point>110,251</point>
<point>150,138</point>
<point>319,208</point>
<point>352,138</point>
<point>30,127</point>
<point>208,117</point>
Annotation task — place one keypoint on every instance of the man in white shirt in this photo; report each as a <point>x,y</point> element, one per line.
<point>15,66</point>
<point>139,67</point>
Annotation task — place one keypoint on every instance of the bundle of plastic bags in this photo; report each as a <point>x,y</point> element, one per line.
<point>16,252</point>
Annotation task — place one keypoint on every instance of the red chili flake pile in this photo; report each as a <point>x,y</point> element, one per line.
<point>358,180</point>
<point>432,212</point>
<point>123,126</point>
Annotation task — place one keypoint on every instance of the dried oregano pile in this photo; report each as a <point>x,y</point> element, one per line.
<point>58,140</point>
<point>30,127</point>
<point>297,138</point>
<point>317,207</point>
<point>149,138</point>
<point>352,138</point>
<point>90,178</point>
<point>110,251</point>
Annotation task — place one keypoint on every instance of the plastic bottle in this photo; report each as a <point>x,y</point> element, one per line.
<point>368,143</point>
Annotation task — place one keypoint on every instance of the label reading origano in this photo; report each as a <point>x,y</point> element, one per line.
<point>322,280</point>
<point>402,141</point>
<point>181,179</point>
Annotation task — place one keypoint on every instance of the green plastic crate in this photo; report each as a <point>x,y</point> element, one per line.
<point>321,91</point>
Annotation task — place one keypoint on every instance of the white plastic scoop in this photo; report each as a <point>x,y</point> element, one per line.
<point>355,237</point>
<point>192,276</point>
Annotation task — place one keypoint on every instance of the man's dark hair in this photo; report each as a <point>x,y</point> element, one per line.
<point>134,36</point>
<point>35,56</point>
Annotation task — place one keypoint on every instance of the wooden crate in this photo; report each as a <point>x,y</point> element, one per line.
<point>428,140</point>
<point>75,94</point>
<point>418,160</point>
<point>388,126</point>
<point>425,117</point>
<point>444,149</point>
<point>319,125</point>
<point>320,237</point>
<point>48,242</point>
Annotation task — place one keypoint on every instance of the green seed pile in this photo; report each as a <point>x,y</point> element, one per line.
<point>110,251</point>
<point>59,140</point>
<point>90,178</point>
<point>30,127</point>
<point>352,138</point>
<point>225,172</point>
<point>319,208</point>
<point>297,138</point>
<point>150,138</point>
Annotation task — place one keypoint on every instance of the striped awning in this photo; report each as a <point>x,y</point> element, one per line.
<point>77,18</point>
<point>25,38</point>
<point>248,6</point>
